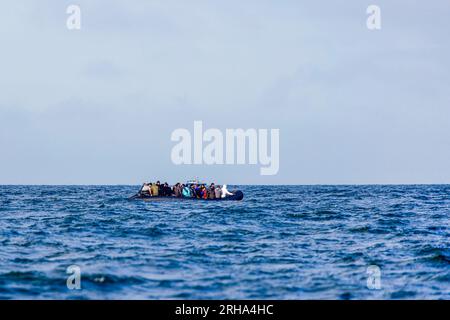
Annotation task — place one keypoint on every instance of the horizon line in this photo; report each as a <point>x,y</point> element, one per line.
<point>242,184</point>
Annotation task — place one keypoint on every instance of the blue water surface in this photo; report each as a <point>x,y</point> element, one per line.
<point>280,242</point>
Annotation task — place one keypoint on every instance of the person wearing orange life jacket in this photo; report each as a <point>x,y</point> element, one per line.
<point>203,192</point>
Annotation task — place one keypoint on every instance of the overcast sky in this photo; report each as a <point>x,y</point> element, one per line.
<point>98,105</point>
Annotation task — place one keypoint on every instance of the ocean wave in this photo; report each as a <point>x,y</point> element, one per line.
<point>288,242</point>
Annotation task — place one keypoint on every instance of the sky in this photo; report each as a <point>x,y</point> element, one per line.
<point>98,105</point>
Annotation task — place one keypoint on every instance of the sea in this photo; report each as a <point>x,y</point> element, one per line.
<point>279,242</point>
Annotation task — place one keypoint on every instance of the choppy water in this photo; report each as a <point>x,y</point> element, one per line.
<point>281,242</point>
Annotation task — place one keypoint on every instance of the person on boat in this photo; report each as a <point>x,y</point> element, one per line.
<point>194,191</point>
<point>174,189</point>
<point>225,192</point>
<point>186,191</point>
<point>167,191</point>
<point>176,186</point>
<point>177,190</point>
<point>203,192</point>
<point>154,189</point>
<point>160,188</point>
<point>211,191</point>
<point>145,189</point>
<point>197,191</point>
<point>218,192</point>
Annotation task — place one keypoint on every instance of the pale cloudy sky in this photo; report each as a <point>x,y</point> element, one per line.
<point>98,105</point>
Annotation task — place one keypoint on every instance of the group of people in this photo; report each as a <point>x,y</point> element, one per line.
<point>200,191</point>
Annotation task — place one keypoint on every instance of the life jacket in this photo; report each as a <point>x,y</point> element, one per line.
<point>186,192</point>
<point>155,190</point>
<point>205,194</point>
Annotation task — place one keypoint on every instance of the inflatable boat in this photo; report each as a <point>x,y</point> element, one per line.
<point>237,196</point>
